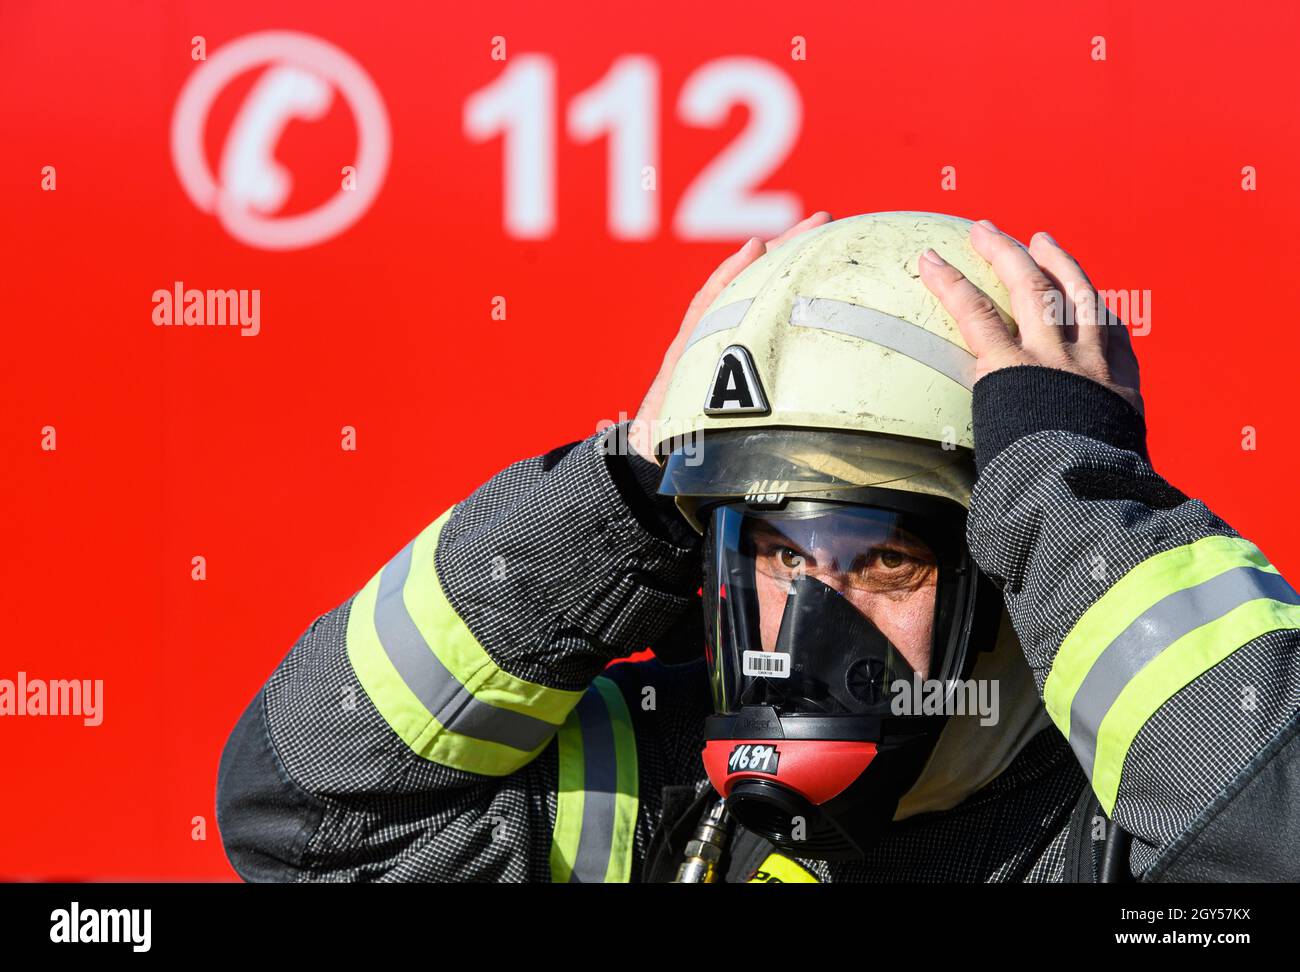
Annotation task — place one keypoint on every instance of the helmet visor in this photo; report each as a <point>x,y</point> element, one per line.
<point>793,461</point>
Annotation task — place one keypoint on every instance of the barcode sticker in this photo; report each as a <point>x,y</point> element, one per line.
<point>769,664</point>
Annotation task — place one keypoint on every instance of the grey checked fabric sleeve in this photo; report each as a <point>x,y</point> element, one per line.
<point>1165,645</point>
<point>556,573</point>
<point>553,568</point>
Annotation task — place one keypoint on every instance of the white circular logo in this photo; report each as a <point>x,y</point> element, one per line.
<point>301,76</point>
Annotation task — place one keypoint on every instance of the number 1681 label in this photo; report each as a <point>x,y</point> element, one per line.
<point>753,758</point>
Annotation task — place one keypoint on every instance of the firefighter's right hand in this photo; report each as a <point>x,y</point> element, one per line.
<point>640,433</point>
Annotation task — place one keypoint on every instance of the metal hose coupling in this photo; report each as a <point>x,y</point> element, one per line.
<point>706,847</point>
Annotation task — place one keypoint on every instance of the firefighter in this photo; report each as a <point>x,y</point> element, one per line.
<point>921,610</point>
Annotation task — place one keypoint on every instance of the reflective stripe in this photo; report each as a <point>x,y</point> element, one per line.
<point>779,869</point>
<point>438,689</point>
<point>1151,634</point>
<point>722,319</point>
<point>891,332</point>
<point>568,799</point>
<point>1187,658</point>
<point>433,683</point>
<point>599,785</point>
<point>596,807</point>
<point>1166,622</point>
<point>1127,600</point>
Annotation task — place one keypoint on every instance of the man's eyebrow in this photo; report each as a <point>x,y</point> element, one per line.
<point>910,544</point>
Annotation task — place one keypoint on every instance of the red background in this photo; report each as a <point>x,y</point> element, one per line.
<point>176,442</point>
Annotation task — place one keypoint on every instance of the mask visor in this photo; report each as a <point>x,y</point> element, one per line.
<point>820,608</point>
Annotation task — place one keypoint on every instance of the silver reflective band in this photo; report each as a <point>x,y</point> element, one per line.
<point>889,332</point>
<point>722,319</point>
<point>599,790</point>
<point>1150,634</point>
<point>438,689</point>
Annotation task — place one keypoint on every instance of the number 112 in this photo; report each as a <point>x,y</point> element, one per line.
<point>720,204</point>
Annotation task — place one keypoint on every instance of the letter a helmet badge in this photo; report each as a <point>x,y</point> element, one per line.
<point>735,388</point>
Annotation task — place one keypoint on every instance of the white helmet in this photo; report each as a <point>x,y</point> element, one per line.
<point>833,331</point>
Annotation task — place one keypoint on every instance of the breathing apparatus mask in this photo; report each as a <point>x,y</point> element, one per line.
<point>830,616</point>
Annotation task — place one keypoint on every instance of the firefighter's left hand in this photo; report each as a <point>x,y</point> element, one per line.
<point>1043,281</point>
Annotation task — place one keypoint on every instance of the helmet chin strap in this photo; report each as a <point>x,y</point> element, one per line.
<point>968,755</point>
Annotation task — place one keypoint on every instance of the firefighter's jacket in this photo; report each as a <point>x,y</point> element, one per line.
<point>458,718</point>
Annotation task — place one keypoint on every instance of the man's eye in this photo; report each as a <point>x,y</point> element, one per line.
<point>892,569</point>
<point>892,559</point>
<point>789,559</point>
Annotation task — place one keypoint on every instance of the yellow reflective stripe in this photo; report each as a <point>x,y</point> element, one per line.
<point>779,869</point>
<point>626,798</point>
<point>568,802</point>
<point>597,799</point>
<point>443,660</point>
<point>1133,594</point>
<point>458,649</point>
<point>1184,660</point>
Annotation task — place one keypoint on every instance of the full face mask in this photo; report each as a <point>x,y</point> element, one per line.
<point>824,619</point>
